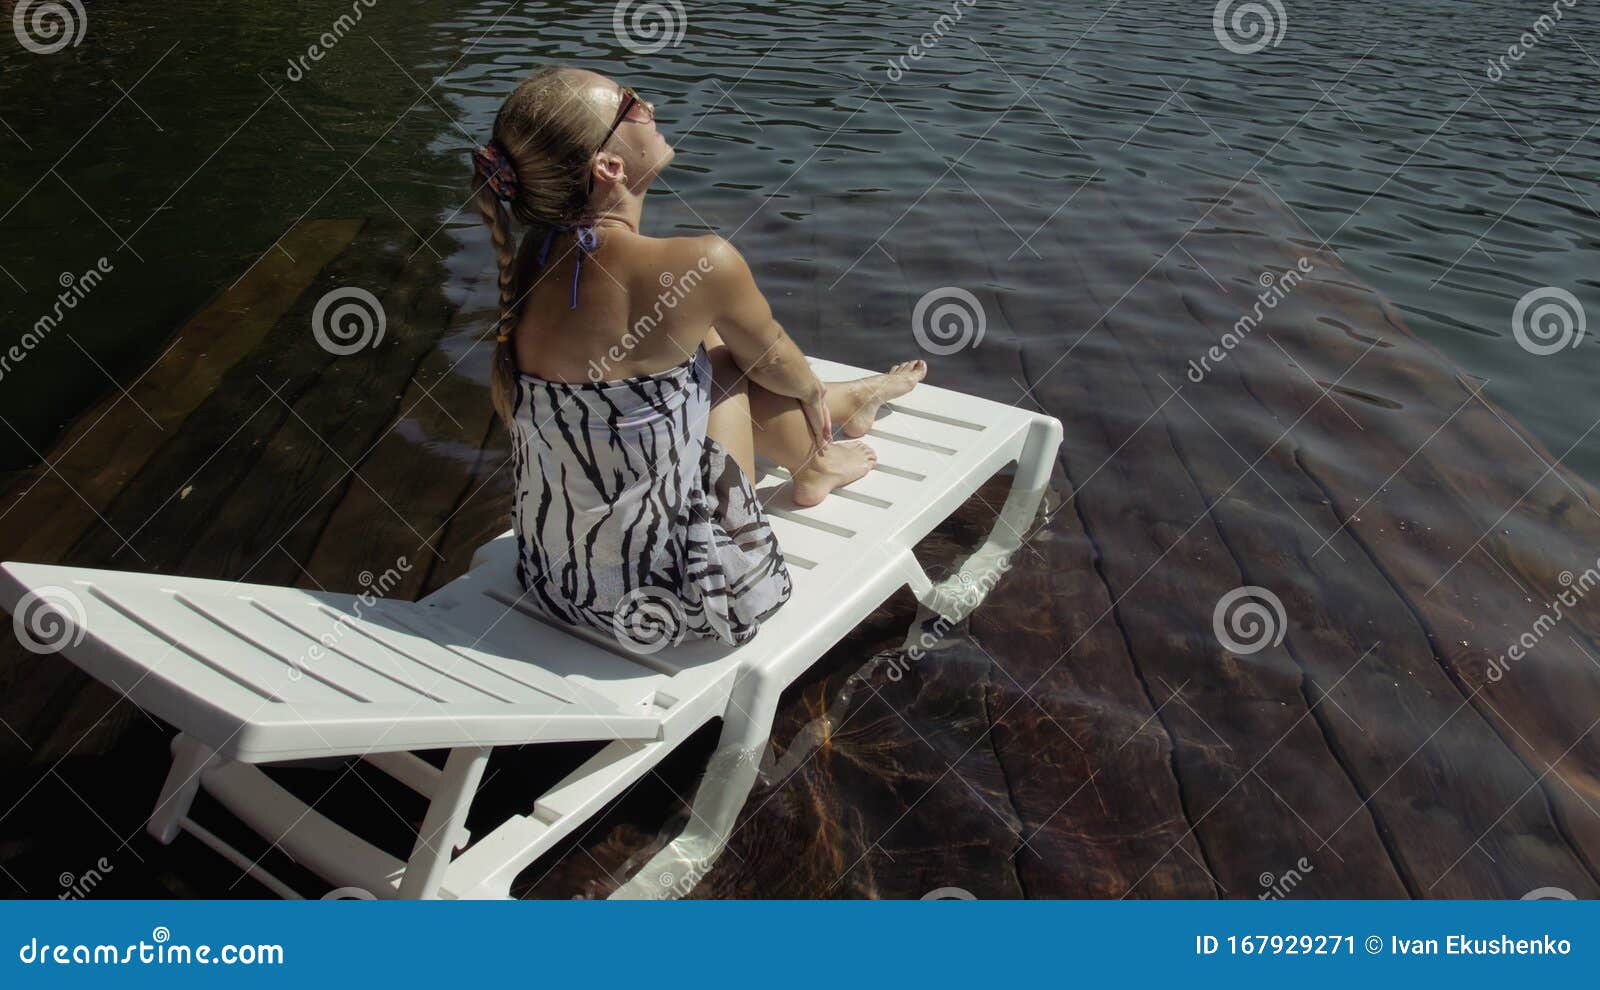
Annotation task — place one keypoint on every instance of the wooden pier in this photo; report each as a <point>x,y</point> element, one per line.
<point>1084,734</point>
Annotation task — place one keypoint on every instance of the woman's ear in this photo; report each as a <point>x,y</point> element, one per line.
<point>610,167</point>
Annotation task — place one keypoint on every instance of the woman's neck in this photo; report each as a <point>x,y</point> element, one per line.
<point>625,211</point>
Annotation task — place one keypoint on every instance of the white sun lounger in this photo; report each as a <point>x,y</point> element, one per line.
<point>253,674</point>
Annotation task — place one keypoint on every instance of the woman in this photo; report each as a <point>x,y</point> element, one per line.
<point>639,377</point>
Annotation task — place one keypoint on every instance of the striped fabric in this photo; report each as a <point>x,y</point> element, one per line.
<point>632,521</point>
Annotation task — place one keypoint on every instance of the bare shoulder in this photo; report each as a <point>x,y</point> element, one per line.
<point>704,257</point>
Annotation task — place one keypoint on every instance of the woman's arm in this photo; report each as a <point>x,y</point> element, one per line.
<point>742,316</point>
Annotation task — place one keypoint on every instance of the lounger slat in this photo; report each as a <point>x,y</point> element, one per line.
<point>132,660</point>
<point>344,632</point>
<point>477,652</point>
<point>844,515</point>
<point>205,643</point>
<point>806,538</point>
<point>932,432</point>
<point>400,628</point>
<point>907,456</point>
<point>323,646</point>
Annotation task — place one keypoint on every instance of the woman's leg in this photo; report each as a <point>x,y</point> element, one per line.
<point>748,419</point>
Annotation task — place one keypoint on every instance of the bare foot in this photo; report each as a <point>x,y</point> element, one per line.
<point>875,391</point>
<point>835,467</point>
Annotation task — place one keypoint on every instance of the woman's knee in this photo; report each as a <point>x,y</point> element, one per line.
<point>728,379</point>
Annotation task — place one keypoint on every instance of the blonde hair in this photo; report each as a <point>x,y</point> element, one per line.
<point>549,135</point>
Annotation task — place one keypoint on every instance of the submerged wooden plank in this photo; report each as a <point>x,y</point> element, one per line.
<point>1462,515</point>
<point>424,464</point>
<point>48,509</point>
<point>1373,687</point>
<point>1088,758</point>
<point>197,505</point>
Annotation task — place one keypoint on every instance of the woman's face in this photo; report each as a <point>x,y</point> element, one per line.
<point>637,141</point>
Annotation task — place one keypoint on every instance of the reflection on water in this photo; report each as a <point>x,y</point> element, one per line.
<point>1111,182</point>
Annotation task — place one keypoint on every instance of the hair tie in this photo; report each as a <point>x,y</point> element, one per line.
<point>493,163</point>
<point>502,338</point>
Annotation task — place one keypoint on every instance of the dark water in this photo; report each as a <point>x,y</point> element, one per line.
<point>1377,125</point>
<point>1064,163</point>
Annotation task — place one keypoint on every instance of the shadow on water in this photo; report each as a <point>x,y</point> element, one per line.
<point>1115,189</point>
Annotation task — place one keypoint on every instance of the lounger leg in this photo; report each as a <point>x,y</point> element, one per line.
<point>189,758</point>
<point>446,814</point>
<point>956,596</point>
<point>676,869</point>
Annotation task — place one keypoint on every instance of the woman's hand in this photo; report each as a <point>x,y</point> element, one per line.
<point>817,418</point>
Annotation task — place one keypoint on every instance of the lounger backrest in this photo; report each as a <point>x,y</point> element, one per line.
<point>261,672</point>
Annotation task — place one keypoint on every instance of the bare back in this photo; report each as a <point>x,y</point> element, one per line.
<point>637,311</point>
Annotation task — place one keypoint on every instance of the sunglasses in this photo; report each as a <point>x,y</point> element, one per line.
<point>631,108</point>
